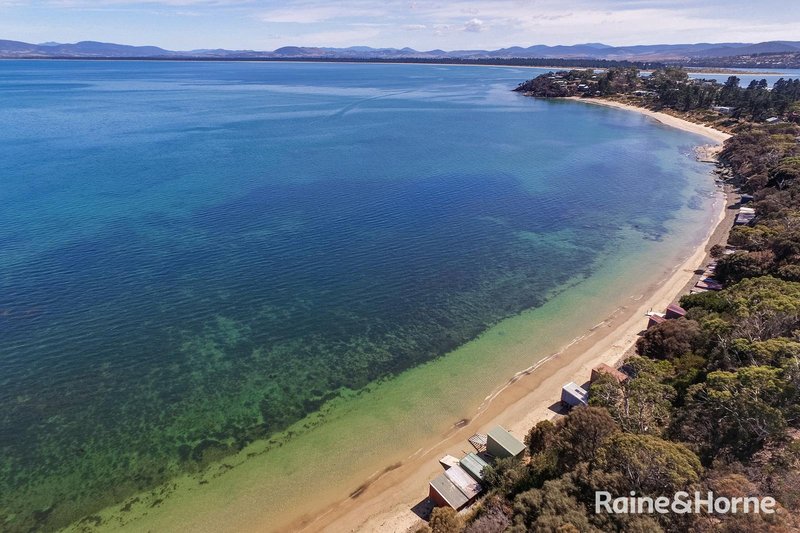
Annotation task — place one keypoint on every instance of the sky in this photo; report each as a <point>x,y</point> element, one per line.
<point>419,24</point>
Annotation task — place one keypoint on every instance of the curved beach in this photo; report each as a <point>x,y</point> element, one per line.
<point>244,499</point>
<point>388,503</point>
<point>302,366</point>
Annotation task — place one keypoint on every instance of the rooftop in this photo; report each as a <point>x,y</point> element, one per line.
<point>506,440</point>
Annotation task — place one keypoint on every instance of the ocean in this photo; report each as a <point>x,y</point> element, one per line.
<point>198,260</point>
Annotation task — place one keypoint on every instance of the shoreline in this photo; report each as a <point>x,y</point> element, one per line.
<point>382,491</point>
<point>664,118</point>
<point>387,503</point>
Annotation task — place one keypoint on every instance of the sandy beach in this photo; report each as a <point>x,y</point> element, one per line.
<point>668,120</point>
<point>393,500</point>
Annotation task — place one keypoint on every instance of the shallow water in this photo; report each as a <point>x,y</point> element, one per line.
<point>193,256</point>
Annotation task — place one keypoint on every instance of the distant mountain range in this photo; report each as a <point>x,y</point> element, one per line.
<point>657,52</point>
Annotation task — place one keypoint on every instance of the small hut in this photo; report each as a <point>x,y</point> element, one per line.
<point>500,443</point>
<point>655,320</point>
<point>604,369</point>
<point>473,464</point>
<point>573,395</point>
<point>674,311</point>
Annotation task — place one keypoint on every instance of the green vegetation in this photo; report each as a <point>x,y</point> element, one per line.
<point>713,402</point>
<point>671,88</point>
<point>713,406</point>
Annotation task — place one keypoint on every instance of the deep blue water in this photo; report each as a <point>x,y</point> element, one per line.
<point>194,255</point>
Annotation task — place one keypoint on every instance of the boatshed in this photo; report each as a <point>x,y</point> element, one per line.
<point>654,320</point>
<point>463,482</point>
<point>573,395</point>
<point>474,465</point>
<point>674,311</point>
<point>604,369</point>
<point>745,216</point>
<point>455,488</point>
<point>443,493</point>
<point>500,443</point>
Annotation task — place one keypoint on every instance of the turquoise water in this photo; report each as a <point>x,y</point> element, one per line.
<point>195,255</point>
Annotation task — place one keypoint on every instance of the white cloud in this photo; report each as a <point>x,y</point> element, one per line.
<point>448,24</point>
<point>474,25</point>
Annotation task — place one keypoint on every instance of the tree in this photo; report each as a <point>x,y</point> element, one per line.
<point>733,485</point>
<point>446,520</point>
<point>640,405</point>
<point>491,518</point>
<point>540,437</point>
<point>580,435</point>
<point>669,339</point>
<point>650,465</point>
<point>734,413</point>
<point>507,476</point>
<point>769,352</point>
<point>764,307</point>
<point>740,265</point>
<point>553,508</point>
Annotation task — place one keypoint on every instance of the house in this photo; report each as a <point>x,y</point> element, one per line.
<point>573,395</point>
<point>674,311</point>
<point>725,110</point>
<point>500,443</point>
<point>606,370</point>
<point>772,120</point>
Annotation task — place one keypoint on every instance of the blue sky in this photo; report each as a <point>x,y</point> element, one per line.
<point>445,24</point>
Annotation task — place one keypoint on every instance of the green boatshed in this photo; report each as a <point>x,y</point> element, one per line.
<point>500,443</point>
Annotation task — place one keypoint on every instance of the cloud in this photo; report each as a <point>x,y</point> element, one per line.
<point>312,11</point>
<point>474,25</point>
<point>448,24</point>
<point>337,37</point>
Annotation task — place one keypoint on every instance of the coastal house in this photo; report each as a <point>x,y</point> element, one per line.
<point>454,488</point>
<point>573,395</point>
<point>500,444</point>
<point>607,370</point>
<point>725,110</point>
